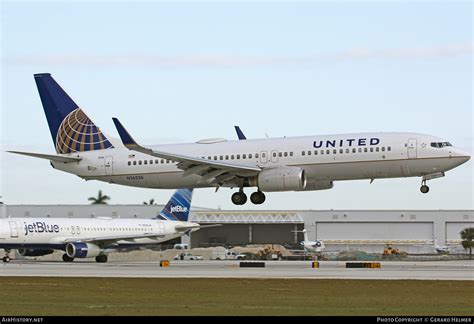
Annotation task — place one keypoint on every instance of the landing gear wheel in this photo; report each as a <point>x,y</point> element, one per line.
<point>66,258</point>
<point>6,259</point>
<point>257,198</point>
<point>101,259</point>
<point>424,189</point>
<point>239,198</point>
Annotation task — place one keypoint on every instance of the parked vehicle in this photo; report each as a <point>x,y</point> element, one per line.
<point>225,254</point>
<point>187,256</point>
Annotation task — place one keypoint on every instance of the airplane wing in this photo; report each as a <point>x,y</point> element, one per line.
<point>212,172</point>
<point>51,157</point>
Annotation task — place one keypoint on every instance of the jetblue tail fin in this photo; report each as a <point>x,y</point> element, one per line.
<point>178,206</point>
<point>71,129</point>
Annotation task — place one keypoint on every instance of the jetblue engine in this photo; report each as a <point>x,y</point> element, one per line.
<point>282,179</point>
<point>34,253</point>
<point>82,250</point>
<point>319,185</point>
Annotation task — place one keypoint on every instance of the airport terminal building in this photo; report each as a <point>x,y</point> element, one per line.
<point>413,231</point>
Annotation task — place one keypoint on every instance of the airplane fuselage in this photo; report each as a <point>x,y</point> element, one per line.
<point>55,233</point>
<point>324,159</point>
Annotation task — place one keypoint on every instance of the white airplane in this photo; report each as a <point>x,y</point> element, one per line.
<point>312,246</point>
<point>440,249</point>
<point>273,164</point>
<point>97,237</point>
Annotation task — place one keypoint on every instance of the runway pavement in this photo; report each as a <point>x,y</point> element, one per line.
<point>448,270</point>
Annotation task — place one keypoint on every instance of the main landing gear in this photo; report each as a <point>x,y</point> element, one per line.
<point>6,258</point>
<point>240,198</point>
<point>67,258</point>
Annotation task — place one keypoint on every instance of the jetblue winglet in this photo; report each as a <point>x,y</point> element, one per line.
<point>240,134</point>
<point>178,206</point>
<point>126,138</point>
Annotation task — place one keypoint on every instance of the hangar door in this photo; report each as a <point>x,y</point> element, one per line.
<point>374,230</point>
<point>453,230</point>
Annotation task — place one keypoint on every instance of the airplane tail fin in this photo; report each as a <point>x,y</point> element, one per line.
<point>178,206</point>
<point>71,129</point>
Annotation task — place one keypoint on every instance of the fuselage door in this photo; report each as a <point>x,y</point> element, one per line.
<point>411,147</point>
<point>109,165</point>
<point>263,157</point>
<point>274,156</point>
<point>13,229</point>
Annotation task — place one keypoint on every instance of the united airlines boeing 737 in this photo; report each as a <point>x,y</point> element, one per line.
<point>273,164</point>
<point>96,237</point>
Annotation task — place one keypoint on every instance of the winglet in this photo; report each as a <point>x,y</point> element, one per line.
<point>240,134</point>
<point>126,138</point>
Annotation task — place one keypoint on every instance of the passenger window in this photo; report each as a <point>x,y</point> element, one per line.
<point>322,152</point>
<point>215,158</point>
<point>365,150</point>
<point>250,156</point>
<point>327,151</point>
<point>347,151</point>
<point>226,157</point>
<point>274,154</point>
<point>221,157</point>
<point>238,156</point>
<point>286,154</point>
<point>145,162</point>
<point>129,163</point>
<point>354,150</point>
<point>140,162</point>
<point>383,148</point>
<point>156,161</point>
<point>341,151</point>
<point>134,162</point>
<point>334,151</point>
<point>168,161</point>
<point>377,149</point>
<point>315,152</point>
<point>303,153</point>
<point>256,155</point>
<point>280,154</point>
<point>371,149</point>
<point>209,158</point>
<point>244,156</point>
<point>389,148</point>
<point>232,157</point>
<point>291,153</point>
<point>162,161</point>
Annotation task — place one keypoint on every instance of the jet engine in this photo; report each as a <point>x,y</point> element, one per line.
<point>318,185</point>
<point>34,253</point>
<point>82,250</point>
<point>282,179</point>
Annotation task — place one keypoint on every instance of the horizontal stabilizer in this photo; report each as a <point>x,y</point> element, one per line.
<point>51,157</point>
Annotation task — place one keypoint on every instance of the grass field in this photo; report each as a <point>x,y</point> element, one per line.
<point>116,296</point>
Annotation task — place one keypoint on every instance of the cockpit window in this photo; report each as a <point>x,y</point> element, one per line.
<point>440,144</point>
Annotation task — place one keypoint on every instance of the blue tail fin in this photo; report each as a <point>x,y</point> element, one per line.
<point>71,129</point>
<point>178,206</point>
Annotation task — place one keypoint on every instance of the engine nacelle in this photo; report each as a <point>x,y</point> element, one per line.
<point>33,252</point>
<point>282,179</point>
<point>82,250</point>
<point>319,185</point>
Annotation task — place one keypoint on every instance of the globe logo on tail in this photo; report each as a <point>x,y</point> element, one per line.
<point>77,133</point>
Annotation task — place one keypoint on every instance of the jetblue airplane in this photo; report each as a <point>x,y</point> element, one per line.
<point>96,237</point>
<point>272,164</point>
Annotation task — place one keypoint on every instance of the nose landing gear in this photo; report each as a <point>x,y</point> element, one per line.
<point>424,188</point>
<point>6,258</point>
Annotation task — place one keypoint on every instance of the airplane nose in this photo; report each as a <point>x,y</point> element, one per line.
<point>461,156</point>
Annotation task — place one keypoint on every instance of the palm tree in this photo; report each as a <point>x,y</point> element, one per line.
<point>152,202</point>
<point>100,199</point>
<point>467,236</point>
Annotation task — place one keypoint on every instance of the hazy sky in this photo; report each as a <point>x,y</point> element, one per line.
<point>181,72</point>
